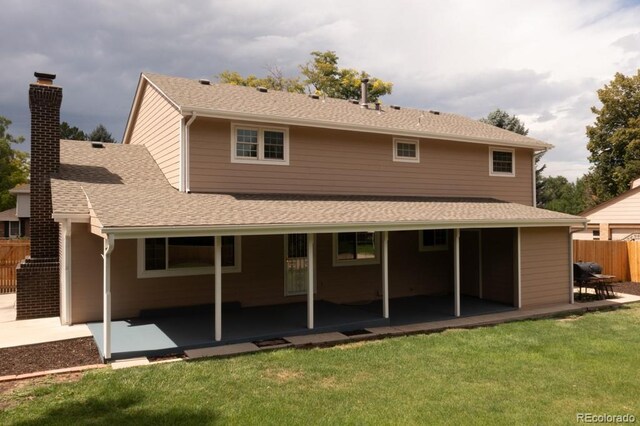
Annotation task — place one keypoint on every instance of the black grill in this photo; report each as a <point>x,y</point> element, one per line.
<point>585,271</point>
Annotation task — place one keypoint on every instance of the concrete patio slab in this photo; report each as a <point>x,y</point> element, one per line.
<point>318,339</point>
<point>127,363</point>
<point>41,330</point>
<point>7,307</point>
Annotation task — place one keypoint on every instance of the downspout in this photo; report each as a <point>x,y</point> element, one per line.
<point>584,228</point>
<point>187,150</point>
<point>109,244</point>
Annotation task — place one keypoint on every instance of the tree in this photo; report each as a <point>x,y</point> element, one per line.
<point>100,134</point>
<point>321,74</point>
<point>504,120</point>
<point>614,138</point>
<point>14,165</point>
<point>71,133</point>
<point>560,195</point>
<point>274,81</point>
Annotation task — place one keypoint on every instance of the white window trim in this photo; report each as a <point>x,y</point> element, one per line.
<point>17,228</point>
<point>406,159</point>
<point>355,262</point>
<point>179,272</point>
<point>260,159</point>
<point>439,247</point>
<point>513,162</point>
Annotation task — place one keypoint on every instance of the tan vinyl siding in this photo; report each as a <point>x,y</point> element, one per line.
<point>545,266</point>
<point>339,162</point>
<point>157,126</point>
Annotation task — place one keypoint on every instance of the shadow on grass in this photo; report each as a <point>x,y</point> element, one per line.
<point>123,409</point>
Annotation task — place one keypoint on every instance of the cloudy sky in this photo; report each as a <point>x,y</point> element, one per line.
<point>541,60</point>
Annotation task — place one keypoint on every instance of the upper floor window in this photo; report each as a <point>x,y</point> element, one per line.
<point>264,145</point>
<point>356,248</point>
<point>159,257</point>
<point>501,162</point>
<point>407,150</point>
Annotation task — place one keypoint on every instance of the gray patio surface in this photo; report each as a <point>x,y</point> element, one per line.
<point>172,331</point>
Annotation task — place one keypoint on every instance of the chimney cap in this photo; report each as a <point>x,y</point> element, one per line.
<point>44,78</point>
<point>364,80</point>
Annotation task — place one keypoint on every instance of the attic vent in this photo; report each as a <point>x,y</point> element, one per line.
<point>262,89</point>
<point>395,107</point>
<point>434,112</point>
<point>205,82</point>
<point>97,145</point>
<point>314,96</point>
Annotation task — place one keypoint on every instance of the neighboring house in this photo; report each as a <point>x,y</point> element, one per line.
<point>239,198</point>
<point>616,219</point>
<point>9,224</point>
<point>14,223</point>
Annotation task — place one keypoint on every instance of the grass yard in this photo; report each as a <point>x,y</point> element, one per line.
<point>530,372</point>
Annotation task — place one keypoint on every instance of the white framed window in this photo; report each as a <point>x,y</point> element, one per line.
<point>180,256</point>
<point>433,239</point>
<point>502,162</point>
<point>356,248</point>
<point>259,145</point>
<point>406,150</point>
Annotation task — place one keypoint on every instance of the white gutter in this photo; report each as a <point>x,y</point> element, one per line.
<point>293,121</point>
<point>266,229</point>
<point>187,149</point>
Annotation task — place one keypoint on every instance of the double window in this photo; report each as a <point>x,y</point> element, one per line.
<point>501,162</point>
<point>263,145</point>
<point>434,240</point>
<point>406,150</point>
<point>159,257</point>
<point>356,248</point>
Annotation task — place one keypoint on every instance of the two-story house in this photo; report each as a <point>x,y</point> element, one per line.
<point>299,212</point>
<point>14,223</point>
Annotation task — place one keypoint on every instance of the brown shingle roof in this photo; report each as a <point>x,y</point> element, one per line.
<point>230,101</point>
<point>126,189</point>
<point>9,216</point>
<point>23,188</point>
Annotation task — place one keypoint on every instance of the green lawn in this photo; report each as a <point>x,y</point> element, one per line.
<point>530,372</point>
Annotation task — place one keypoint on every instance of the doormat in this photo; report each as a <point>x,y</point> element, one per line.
<point>271,342</point>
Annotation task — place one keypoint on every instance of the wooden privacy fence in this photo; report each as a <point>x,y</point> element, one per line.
<point>619,258</point>
<point>11,254</point>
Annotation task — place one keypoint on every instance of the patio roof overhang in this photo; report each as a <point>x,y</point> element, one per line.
<point>133,232</point>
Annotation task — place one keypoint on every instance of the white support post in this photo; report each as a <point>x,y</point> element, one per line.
<point>310,279</point>
<point>571,292</point>
<point>65,309</point>
<point>385,274</point>
<point>109,244</point>
<point>519,272</point>
<point>456,271</point>
<point>218,289</point>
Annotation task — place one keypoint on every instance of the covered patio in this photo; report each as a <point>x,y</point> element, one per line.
<point>172,331</point>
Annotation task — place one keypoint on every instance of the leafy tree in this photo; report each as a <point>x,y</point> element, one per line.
<point>100,134</point>
<point>14,165</point>
<point>614,138</point>
<point>560,195</point>
<point>71,133</point>
<point>274,81</point>
<point>321,74</point>
<point>504,120</point>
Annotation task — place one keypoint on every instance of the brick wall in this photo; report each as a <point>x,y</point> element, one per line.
<point>38,291</point>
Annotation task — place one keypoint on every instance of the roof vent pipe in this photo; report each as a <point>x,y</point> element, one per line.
<point>364,92</point>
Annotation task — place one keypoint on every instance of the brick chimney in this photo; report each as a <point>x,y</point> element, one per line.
<point>38,291</point>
